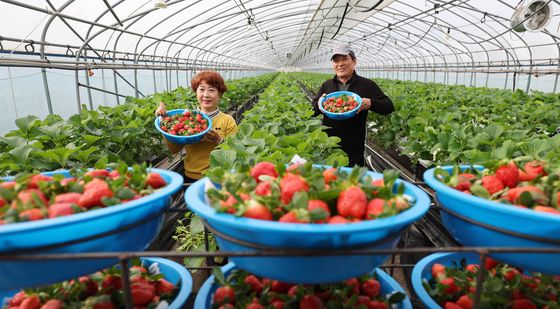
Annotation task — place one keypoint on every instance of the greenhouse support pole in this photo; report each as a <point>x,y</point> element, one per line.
<point>530,75</point>
<point>514,78</point>
<point>47,92</point>
<point>555,83</point>
<point>136,83</point>
<point>87,83</point>
<point>177,73</point>
<point>154,75</point>
<point>116,86</point>
<point>78,100</point>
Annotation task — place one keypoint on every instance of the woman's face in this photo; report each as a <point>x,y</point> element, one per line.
<point>208,97</point>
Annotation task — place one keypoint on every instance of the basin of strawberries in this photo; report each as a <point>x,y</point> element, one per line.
<point>307,208</point>
<point>231,287</point>
<point>98,210</point>
<point>154,282</point>
<point>182,126</point>
<point>509,203</point>
<point>340,105</point>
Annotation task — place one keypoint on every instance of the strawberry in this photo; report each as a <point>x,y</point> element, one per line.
<point>354,284</point>
<point>492,184</point>
<point>523,304</point>
<point>398,202</point>
<point>534,168</point>
<point>142,293</point>
<point>294,168</point>
<point>8,184</point>
<point>114,174</point>
<point>107,304</point>
<point>256,210</point>
<point>450,287</point>
<point>164,287</point>
<point>508,174</point>
<point>17,299</point>
<point>289,185</point>
<point>293,291</point>
<point>473,268</point>
<point>465,302</point>
<point>138,269</point>
<point>32,214</point>
<point>254,306</point>
<point>337,220</point>
<point>319,204</point>
<point>280,287</point>
<point>255,283</point>
<point>490,263</point>
<point>33,197</point>
<point>31,302</point>
<point>375,208</point>
<point>374,304</point>
<point>35,179</point>
<point>352,202</point>
<point>329,175</point>
<point>67,181</point>
<point>96,183</point>
<point>2,201</point>
<point>70,197</point>
<point>224,294</point>
<point>155,181</point>
<point>464,181</point>
<point>547,209</point>
<point>277,304</point>
<point>226,306</point>
<point>263,168</point>
<point>263,189</point>
<point>514,193</point>
<point>371,288</point>
<point>53,304</point>
<point>438,271</point>
<point>62,209</point>
<point>111,283</point>
<point>310,302</point>
<point>511,274</point>
<point>93,195</point>
<point>97,173</point>
<point>91,287</point>
<point>451,305</point>
<point>378,182</point>
<point>291,217</point>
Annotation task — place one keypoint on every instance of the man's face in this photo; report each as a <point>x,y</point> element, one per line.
<point>343,65</point>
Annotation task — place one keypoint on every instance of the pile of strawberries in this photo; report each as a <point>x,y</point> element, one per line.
<point>504,287</point>
<point>185,124</point>
<point>244,290</point>
<point>102,290</point>
<point>341,104</point>
<point>304,194</point>
<point>34,196</point>
<point>528,185</point>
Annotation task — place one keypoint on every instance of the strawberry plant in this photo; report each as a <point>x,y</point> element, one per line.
<point>103,289</point>
<point>521,182</point>
<point>340,104</point>
<point>305,194</point>
<point>504,286</point>
<point>31,197</point>
<point>244,290</point>
<point>185,124</point>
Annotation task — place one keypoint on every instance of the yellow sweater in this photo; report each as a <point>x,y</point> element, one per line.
<point>197,158</point>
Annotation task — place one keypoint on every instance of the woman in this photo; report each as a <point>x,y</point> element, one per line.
<point>209,87</point>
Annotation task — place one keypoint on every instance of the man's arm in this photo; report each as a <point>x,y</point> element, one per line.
<point>380,102</point>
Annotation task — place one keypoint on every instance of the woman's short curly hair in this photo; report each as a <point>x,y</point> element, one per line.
<point>212,78</point>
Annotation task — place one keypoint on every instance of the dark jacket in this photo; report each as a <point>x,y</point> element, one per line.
<point>352,132</point>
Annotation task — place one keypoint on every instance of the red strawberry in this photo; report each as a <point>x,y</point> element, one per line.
<point>32,214</point>
<point>374,304</point>
<point>523,304</point>
<point>451,305</point>
<point>492,184</point>
<point>263,189</point>
<point>354,284</point>
<point>111,283</point>
<point>310,302</point>
<point>398,202</point>
<point>224,294</point>
<point>255,283</point>
<point>70,197</point>
<point>30,196</point>
<point>254,306</point>
<point>329,175</point>
<point>142,293</point>
<point>291,217</point>
<point>164,287</point>
<point>91,286</point>
<point>547,209</point>
<point>17,299</point>
<point>31,302</point>
<point>490,263</point>
<point>511,274</point>
<point>53,304</point>
<point>67,181</point>
<point>371,288</point>
<point>294,168</point>
<point>352,202</point>
<point>35,179</point>
<point>277,304</point>
<point>337,220</point>
<point>508,174</point>
<point>450,287</point>
<point>96,183</point>
<point>375,208</point>
<point>256,210</point>
<point>534,168</point>
<point>514,193</point>
<point>263,168</point>
<point>155,181</point>
<point>97,173</point>
<point>114,174</point>
<point>8,184</point>
<point>106,304</point>
<point>438,271</point>
<point>62,209</point>
<point>464,181</point>
<point>378,182</point>
<point>289,185</point>
<point>93,195</point>
<point>319,204</point>
<point>473,268</point>
<point>280,287</point>
<point>465,302</point>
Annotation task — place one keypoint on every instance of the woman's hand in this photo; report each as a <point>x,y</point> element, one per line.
<point>213,137</point>
<point>161,111</point>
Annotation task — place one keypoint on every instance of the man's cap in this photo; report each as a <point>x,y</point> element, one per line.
<point>342,49</point>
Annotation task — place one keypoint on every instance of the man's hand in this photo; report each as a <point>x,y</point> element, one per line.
<point>213,137</point>
<point>366,104</point>
<point>161,111</point>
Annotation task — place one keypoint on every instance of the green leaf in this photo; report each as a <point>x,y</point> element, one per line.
<point>223,158</point>
<point>26,123</point>
<point>13,141</point>
<point>219,276</point>
<point>20,154</point>
<point>196,225</point>
<point>396,297</point>
<point>479,190</point>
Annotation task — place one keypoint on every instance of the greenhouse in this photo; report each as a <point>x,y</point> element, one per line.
<point>279,154</point>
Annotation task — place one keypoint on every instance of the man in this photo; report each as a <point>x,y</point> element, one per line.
<point>352,131</point>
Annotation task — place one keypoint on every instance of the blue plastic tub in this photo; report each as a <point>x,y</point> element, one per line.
<point>311,269</point>
<point>35,234</point>
<point>340,116</point>
<point>204,296</point>
<point>423,271</point>
<point>183,140</point>
<point>494,214</point>
<point>173,272</point>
